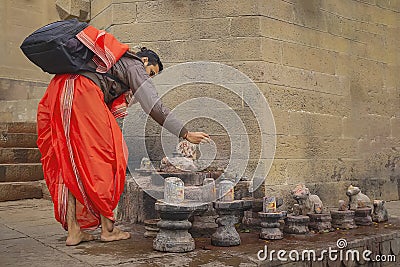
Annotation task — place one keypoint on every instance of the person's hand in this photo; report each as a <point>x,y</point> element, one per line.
<point>197,137</point>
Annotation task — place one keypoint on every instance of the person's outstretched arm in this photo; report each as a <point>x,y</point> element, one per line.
<point>145,93</point>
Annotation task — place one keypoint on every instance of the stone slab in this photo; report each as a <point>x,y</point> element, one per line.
<point>19,127</point>
<point>27,251</point>
<point>7,233</point>
<point>20,190</point>
<point>21,172</point>
<point>30,217</point>
<point>18,140</point>
<point>19,155</point>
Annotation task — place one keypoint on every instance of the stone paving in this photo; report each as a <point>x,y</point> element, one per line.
<point>30,236</point>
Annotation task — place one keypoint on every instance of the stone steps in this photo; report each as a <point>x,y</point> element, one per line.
<point>23,140</point>
<point>20,190</point>
<point>18,127</point>
<point>12,155</point>
<point>21,172</point>
<point>18,110</point>
<point>19,90</point>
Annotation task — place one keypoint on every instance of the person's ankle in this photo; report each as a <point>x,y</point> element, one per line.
<point>74,229</point>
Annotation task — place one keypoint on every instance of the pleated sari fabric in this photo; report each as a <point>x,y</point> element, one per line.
<point>82,147</point>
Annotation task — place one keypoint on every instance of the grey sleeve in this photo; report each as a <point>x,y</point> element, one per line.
<point>145,93</point>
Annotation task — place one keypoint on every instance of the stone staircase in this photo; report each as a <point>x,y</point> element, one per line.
<point>21,175</point>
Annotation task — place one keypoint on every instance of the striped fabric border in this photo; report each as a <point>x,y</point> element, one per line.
<point>62,203</point>
<point>104,59</point>
<point>66,108</point>
<point>119,111</point>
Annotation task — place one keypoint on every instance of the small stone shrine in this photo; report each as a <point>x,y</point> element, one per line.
<point>311,206</point>
<point>174,225</point>
<point>229,214</point>
<point>361,204</point>
<point>343,218</point>
<point>270,217</point>
<point>295,223</point>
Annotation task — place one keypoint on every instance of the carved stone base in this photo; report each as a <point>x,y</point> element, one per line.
<point>174,226</point>
<point>151,228</point>
<point>320,222</point>
<point>229,214</point>
<point>363,216</point>
<point>270,225</point>
<point>343,219</point>
<point>251,219</point>
<point>296,224</point>
<point>204,225</point>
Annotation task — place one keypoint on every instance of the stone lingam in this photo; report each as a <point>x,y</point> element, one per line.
<point>361,204</point>
<point>173,235</point>
<point>270,218</point>
<point>146,167</point>
<point>204,225</point>
<point>181,164</point>
<point>230,212</point>
<point>311,206</point>
<point>343,218</point>
<point>145,184</point>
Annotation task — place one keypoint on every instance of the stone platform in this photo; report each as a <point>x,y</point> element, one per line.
<point>29,236</point>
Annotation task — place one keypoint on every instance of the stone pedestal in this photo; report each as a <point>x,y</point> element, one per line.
<point>270,225</point>
<point>362,216</point>
<point>296,224</point>
<point>229,213</point>
<point>174,225</point>
<point>151,228</point>
<point>320,222</point>
<point>343,219</point>
<point>204,225</point>
<point>251,218</point>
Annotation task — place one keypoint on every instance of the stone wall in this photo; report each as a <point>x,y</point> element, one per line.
<point>19,99</point>
<point>22,84</point>
<point>329,70</point>
<point>18,20</point>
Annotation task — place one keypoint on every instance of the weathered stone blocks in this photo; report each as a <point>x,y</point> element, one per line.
<point>74,9</point>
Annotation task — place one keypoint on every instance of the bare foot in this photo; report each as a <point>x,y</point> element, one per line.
<point>115,235</point>
<point>75,239</point>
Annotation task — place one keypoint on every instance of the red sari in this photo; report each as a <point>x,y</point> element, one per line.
<point>82,147</point>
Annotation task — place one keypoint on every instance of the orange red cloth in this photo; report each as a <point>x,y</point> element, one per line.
<point>82,147</point>
<point>106,48</point>
<point>107,51</point>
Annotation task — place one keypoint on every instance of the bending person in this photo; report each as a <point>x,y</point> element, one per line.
<point>84,156</point>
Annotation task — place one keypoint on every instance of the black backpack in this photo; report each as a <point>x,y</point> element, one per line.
<point>56,50</point>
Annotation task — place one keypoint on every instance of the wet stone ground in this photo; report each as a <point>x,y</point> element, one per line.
<point>30,236</point>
